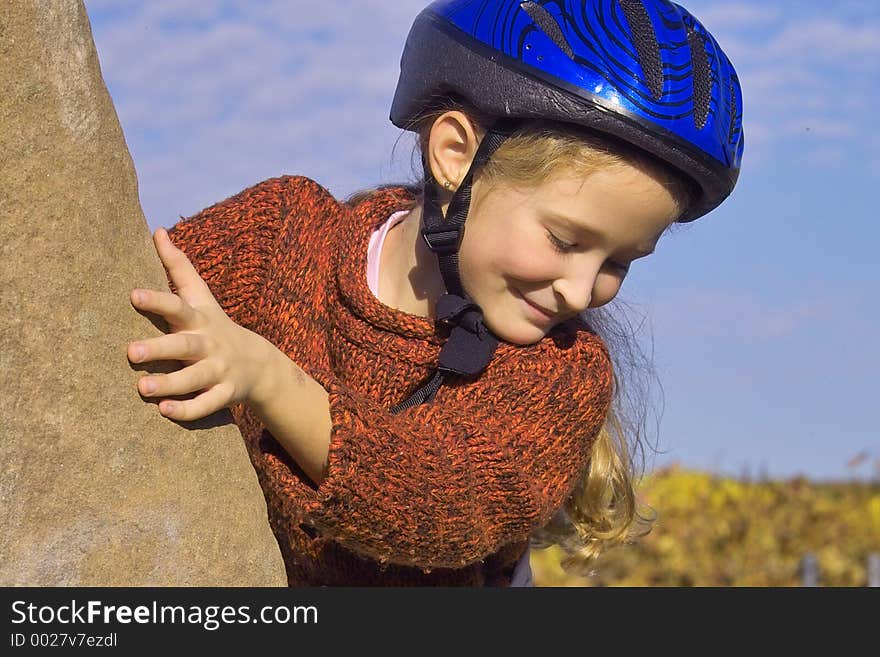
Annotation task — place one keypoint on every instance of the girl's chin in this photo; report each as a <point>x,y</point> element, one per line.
<point>523,341</point>
<point>516,331</point>
<point>511,319</point>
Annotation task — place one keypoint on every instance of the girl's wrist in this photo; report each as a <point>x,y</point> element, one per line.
<point>267,360</point>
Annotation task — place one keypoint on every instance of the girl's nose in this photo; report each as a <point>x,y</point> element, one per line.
<point>577,285</point>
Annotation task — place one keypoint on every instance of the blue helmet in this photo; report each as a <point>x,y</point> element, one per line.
<point>644,71</point>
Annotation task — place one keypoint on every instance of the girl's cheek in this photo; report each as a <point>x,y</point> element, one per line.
<point>527,261</point>
<point>606,289</point>
<point>508,251</point>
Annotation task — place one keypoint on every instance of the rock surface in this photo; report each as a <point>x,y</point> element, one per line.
<point>96,487</point>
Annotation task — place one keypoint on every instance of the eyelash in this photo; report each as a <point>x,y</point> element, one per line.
<point>558,244</point>
<point>563,247</point>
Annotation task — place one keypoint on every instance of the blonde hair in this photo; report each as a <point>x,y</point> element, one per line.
<point>603,510</point>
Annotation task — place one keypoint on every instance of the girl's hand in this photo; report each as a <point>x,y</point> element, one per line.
<point>221,358</point>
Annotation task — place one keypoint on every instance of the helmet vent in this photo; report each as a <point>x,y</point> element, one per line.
<point>645,40</point>
<point>544,19</point>
<point>702,77</point>
<point>731,90</point>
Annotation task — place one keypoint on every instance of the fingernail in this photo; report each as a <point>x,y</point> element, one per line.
<point>138,353</point>
<point>167,408</point>
<point>149,386</point>
<point>138,297</point>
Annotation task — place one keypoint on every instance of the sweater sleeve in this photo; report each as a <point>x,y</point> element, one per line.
<point>448,483</point>
<point>231,243</point>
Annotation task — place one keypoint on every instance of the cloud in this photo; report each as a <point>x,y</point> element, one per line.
<point>801,67</point>
<point>818,126</point>
<point>828,157</point>
<point>210,93</point>
<point>827,40</point>
<point>738,16</point>
<point>736,314</point>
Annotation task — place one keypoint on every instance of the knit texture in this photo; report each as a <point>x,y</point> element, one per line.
<point>443,494</point>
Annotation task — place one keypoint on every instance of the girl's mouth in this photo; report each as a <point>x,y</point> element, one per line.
<point>536,311</point>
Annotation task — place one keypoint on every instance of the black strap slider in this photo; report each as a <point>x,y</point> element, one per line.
<point>450,308</point>
<point>467,352</point>
<point>442,240</point>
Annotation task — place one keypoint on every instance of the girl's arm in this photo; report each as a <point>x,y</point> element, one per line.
<point>225,364</point>
<point>295,409</point>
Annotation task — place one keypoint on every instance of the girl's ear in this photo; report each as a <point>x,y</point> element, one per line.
<point>452,144</point>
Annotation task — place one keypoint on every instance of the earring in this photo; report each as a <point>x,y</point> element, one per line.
<point>447,185</point>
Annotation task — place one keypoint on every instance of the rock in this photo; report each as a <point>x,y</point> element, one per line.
<point>96,487</point>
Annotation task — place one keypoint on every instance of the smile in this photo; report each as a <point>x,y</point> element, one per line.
<point>537,311</point>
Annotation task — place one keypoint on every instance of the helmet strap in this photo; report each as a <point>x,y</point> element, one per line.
<point>443,234</point>
<point>470,345</point>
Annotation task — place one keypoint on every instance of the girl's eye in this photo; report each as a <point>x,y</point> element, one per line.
<point>565,247</point>
<point>558,244</point>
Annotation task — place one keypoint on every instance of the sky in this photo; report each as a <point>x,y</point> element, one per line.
<point>758,317</point>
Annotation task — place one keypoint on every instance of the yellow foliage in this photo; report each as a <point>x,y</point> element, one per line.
<point>874,512</point>
<point>714,531</point>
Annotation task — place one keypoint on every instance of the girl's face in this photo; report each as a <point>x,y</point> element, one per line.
<point>533,257</point>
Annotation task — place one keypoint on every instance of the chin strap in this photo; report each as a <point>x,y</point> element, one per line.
<point>470,345</point>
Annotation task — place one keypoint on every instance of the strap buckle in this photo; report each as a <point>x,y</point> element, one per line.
<point>442,241</point>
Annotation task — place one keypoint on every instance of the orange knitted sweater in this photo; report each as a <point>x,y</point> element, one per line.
<point>443,494</point>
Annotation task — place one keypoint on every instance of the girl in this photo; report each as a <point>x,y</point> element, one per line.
<point>416,373</point>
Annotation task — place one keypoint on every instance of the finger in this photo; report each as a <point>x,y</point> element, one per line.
<point>173,346</point>
<point>194,409</point>
<point>173,308</point>
<point>195,377</point>
<point>182,272</point>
